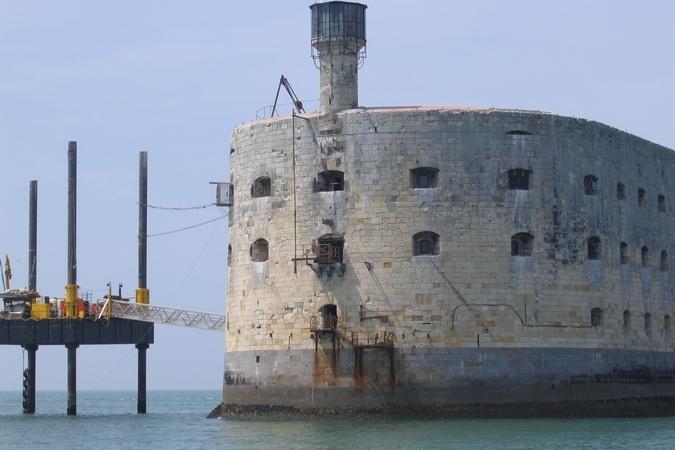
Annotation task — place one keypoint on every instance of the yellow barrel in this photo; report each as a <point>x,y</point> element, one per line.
<point>41,311</point>
<point>142,296</point>
<point>71,300</point>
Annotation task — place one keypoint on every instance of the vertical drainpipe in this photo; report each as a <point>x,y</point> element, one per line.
<point>142,292</point>
<point>71,287</point>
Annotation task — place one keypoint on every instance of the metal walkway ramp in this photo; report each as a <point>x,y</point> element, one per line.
<point>162,314</point>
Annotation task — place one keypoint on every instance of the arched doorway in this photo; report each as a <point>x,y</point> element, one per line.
<point>329,317</point>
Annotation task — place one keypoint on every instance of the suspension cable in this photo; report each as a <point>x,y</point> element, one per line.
<point>187,228</point>
<point>171,208</point>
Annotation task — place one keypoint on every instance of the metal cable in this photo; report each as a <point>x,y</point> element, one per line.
<point>187,228</point>
<point>171,208</point>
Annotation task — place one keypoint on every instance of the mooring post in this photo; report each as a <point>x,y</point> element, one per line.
<point>142,292</point>
<point>72,379</point>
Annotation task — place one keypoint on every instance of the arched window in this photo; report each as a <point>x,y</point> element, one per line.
<point>666,324</point>
<point>425,243</point>
<point>424,178</point>
<point>521,244</point>
<point>330,180</point>
<point>329,249</point>
<point>596,317</point>
<point>623,253</point>
<point>229,255</point>
<point>626,319</point>
<point>661,201</point>
<point>262,187</point>
<point>663,265</point>
<point>519,179</point>
<point>329,317</point>
<point>620,191</point>
<point>593,247</point>
<point>642,197</point>
<point>644,252</point>
<point>259,250</point>
<point>590,185</point>
<point>648,324</point>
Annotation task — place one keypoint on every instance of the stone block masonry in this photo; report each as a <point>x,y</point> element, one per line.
<point>476,272</point>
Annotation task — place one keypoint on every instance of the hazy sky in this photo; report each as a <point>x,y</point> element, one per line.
<point>174,78</point>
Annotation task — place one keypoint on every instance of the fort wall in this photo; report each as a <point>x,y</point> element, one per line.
<point>519,218</point>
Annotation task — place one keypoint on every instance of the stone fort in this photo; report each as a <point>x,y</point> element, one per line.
<point>444,260</point>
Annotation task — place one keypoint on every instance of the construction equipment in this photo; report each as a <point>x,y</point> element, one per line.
<point>283,81</point>
<point>7,274</point>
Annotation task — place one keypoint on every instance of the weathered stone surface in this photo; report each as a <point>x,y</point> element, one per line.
<point>473,319</point>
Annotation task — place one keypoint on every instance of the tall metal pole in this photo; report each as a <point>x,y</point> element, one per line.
<point>72,212</point>
<point>142,292</point>
<point>32,237</point>
<point>142,220</point>
<point>29,407</point>
<point>71,287</point>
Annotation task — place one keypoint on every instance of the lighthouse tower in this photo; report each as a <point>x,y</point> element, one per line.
<point>338,43</point>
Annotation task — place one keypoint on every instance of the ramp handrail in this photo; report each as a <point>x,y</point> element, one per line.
<point>162,314</point>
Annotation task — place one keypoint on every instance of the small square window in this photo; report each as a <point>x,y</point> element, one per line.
<point>620,191</point>
<point>424,178</point>
<point>519,179</point>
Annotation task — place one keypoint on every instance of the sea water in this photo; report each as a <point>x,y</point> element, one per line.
<point>177,420</point>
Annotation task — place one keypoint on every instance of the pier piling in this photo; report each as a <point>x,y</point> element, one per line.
<point>72,379</point>
<point>71,287</point>
<point>29,401</point>
<point>141,406</point>
<point>142,293</point>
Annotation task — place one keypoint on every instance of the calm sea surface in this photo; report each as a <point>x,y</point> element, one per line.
<point>176,420</point>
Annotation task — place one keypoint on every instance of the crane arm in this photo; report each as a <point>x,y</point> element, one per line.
<point>283,81</point>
